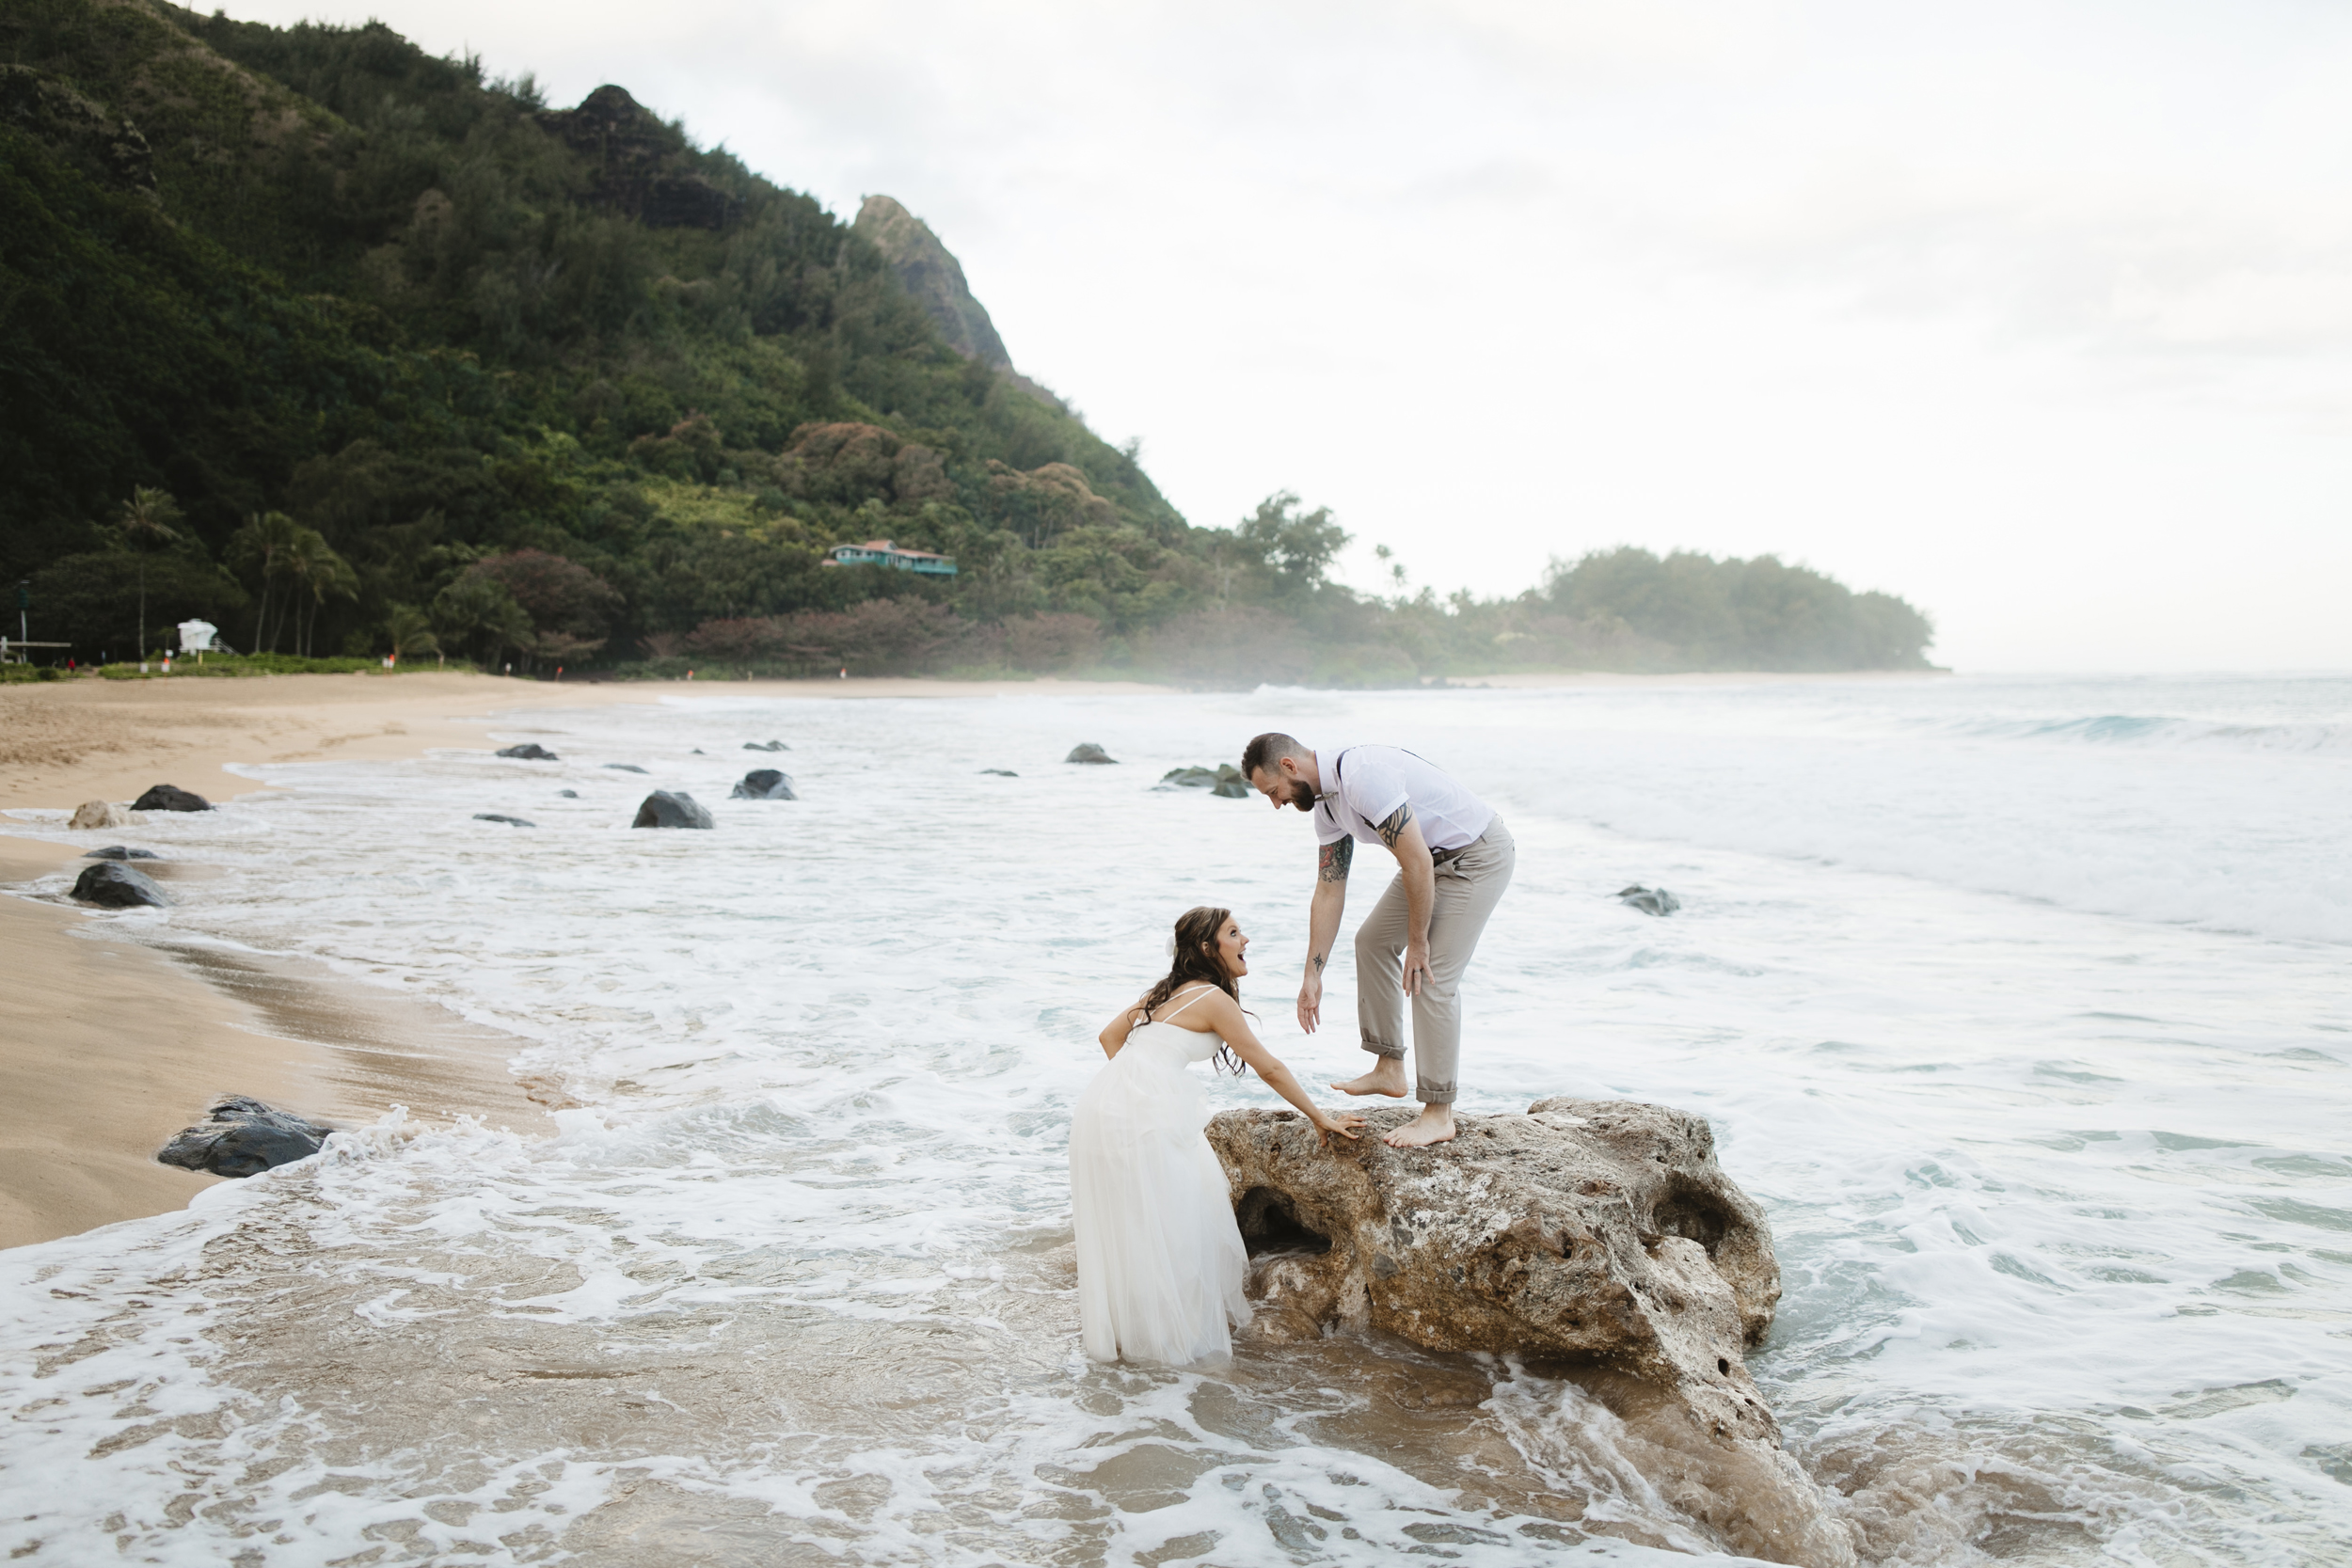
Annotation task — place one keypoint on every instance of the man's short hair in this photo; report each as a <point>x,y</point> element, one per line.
<point>1266,750</point>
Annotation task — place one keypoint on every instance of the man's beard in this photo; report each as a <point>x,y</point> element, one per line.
<point>1302,794</point>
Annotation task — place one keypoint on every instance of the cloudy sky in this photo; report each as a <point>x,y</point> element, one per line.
<point>2039,314</point>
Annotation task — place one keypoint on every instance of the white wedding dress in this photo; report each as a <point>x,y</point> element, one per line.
<point>1160,1258</point>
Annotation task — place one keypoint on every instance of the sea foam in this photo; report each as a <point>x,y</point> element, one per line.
<point>2023,1040</point>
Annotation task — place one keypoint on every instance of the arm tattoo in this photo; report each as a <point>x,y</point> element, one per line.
<point>1332,866</point>
<point>1392,826</point>
<point>1319,959</point>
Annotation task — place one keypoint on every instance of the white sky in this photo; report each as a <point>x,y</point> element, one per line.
<point>2039,314</point>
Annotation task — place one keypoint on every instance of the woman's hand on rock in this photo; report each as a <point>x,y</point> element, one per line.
<point>1345,1125</point>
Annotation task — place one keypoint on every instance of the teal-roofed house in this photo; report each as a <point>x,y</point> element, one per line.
<point>882,552</point>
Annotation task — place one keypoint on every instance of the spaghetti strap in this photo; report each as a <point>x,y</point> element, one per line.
<point>1188,1001</point>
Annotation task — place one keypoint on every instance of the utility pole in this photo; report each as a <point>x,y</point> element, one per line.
<point>23,607</point>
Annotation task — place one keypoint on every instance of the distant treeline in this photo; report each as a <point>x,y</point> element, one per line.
<point>348,349</point>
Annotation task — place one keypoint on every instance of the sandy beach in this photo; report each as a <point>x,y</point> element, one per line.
<point>109,1045</point>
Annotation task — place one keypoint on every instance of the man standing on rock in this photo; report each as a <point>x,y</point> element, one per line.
<point>1453,859</point>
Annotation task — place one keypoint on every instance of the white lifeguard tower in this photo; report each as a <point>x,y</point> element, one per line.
<point>195,637</point>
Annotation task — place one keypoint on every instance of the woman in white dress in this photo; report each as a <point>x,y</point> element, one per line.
<point>1160,1258</point>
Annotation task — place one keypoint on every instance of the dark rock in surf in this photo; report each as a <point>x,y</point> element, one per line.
<point>117,887</point>
<point>530,751</point>
<point>1090,752</point>
<point>764,783</point>
<point>1597,1236</point>
<point>765,746</point>
<point>240,1136</point>
<point>171,798</point>
<point>1649,900</point>
<point>121,852</point>
<point>1001,772</point>
<point>664,809</point>
<point>1223,781</point>
<point>496,817</point>
<point>622,767</point>
<point>567,793</point>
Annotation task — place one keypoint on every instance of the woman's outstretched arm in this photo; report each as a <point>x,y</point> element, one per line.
<point>1224,1015</point>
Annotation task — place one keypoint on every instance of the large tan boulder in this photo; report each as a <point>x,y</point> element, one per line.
<point>98,814</point>
<point>1598,1240</point>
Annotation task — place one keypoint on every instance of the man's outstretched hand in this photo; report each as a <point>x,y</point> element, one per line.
<point>1311,1002</point>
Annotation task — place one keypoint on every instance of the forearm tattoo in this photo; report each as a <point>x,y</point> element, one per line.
<point>1392,826</point>
<point>1332,866</point>
<point>1318,960</point>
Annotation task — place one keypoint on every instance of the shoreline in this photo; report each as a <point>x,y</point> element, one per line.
<point>1537,680</point>
<point>111,1041</point>
<point>65,742</point>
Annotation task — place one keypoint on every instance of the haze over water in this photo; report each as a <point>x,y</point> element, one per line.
<point>2020,1004</point>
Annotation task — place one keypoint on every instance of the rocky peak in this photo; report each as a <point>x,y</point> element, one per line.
<point>932,275</point>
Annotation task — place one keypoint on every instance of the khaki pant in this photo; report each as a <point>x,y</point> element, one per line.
<point>1467,888</point>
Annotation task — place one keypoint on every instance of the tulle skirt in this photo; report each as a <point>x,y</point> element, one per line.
<point>1160,1258</point>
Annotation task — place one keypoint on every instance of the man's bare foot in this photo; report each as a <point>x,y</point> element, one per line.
<point>1386,1078</point>
<point>1434,1125</point>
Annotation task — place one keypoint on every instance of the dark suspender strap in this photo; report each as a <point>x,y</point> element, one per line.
<point>1436,857</point>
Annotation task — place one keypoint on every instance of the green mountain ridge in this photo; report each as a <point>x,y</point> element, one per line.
<point>417,358</point>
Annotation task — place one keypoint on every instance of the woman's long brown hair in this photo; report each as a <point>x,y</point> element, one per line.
<point>1197,961</point>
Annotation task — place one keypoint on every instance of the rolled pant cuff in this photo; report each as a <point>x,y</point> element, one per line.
<point>1436,1097</point>
<point>1382,1048</point>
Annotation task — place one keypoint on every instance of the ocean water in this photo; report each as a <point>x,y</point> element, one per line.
<point>2024,1006</point>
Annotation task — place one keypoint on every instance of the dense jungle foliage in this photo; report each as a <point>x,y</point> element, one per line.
<point>351,351</point>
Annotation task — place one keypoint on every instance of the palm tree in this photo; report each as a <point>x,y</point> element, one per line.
<point>410,632</point>
<point>265,544</point>
<point>144,522</point>
<point>313,564</point>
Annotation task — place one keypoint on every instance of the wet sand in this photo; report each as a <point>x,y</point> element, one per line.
<point>109,1045</point>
